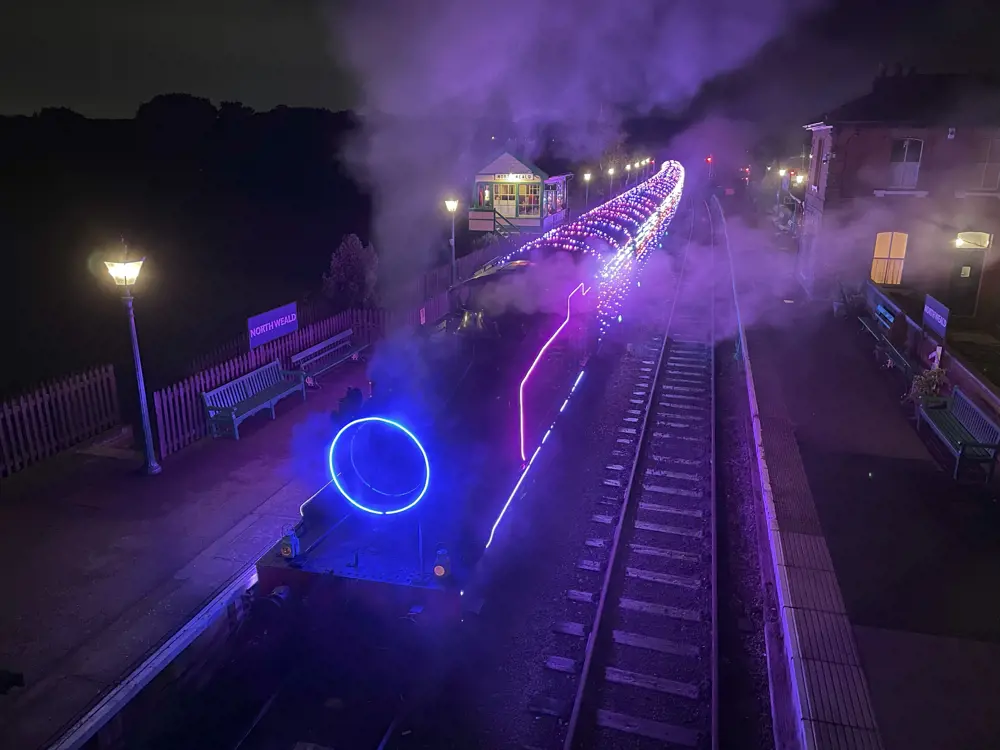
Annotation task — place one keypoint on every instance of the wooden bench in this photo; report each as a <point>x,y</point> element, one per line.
<point>230,404</point>
<point>899,360</point>
<point>879,323</point>
<point>964,428</point>
<point>326,355</point>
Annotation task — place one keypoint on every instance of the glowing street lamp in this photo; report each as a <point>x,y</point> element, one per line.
<point>782,172</point>
<point>586,182</point>
<point>611,179</point>
<point>799,179</point>
<point>125,273</point>
<point>452,206</point>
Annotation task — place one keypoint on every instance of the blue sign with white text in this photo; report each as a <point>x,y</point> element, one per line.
<point>273,324</point>
<point>935,317</point>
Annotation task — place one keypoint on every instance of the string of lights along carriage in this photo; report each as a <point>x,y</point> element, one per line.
<point>379,466</point>
<point>631,224</point>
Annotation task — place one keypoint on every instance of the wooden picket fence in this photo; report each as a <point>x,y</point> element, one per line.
<point>56,416</point>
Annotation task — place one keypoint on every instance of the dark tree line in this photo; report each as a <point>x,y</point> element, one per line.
<point>237,211</point>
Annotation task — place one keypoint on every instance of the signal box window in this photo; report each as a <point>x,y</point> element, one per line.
<point>529,200</point>
<point>888,257</point>
<point>504,199</point>
<point>484,195</point>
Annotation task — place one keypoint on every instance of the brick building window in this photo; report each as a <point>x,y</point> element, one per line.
<point>986,172</point>
<point>888,257</point>
<point>904,163</point>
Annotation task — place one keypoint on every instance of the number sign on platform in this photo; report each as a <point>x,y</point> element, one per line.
<point>273,324</point>
<point>935,317</point>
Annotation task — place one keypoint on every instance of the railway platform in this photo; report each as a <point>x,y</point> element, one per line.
<point>105,564</point>
<point>890,568</point>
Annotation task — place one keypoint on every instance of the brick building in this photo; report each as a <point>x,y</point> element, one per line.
<point>904,188</point>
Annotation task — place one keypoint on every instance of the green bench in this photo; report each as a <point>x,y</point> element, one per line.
<point>966,431</point>
<point>879,323</point>
<point>328,354</point>
<point>230,404</point>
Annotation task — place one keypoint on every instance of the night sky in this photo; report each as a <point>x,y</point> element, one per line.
<point>103,58</point>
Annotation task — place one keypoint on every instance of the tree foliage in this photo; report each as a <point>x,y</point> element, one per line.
<point>353,274</point>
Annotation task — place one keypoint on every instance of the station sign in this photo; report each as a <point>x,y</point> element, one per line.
<point>273,324</point>
<point>935,317</point>
<point>525,177</point>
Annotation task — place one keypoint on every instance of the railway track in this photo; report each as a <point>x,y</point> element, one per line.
<point>647,616</point>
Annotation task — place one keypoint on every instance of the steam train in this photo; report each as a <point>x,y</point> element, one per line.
<point>425,470</point>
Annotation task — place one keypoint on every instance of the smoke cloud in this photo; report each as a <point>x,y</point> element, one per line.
<point>440,80</point>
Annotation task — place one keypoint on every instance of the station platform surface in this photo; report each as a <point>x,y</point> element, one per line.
<point>916,556</point>
<point>105,562</point>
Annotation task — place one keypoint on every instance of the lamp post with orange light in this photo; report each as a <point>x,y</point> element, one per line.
<point>125,273</point>
<point>452,206</point>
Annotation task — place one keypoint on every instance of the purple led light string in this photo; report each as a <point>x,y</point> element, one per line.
<point>520,393</point>
<point>641,214</point>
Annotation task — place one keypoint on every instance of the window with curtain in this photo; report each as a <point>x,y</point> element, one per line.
<point>529,201</point>
<point>888,257</point>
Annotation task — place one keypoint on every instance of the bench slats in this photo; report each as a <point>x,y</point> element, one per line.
<point>328,354</point>
<point>341,340</point>
<point>232,402</point>
<point>966,431</point>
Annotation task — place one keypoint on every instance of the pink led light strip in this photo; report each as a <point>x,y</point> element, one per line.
<point>541,353</point>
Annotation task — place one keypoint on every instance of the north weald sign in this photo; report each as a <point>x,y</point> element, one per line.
<point>273,324</point>
<point>935,317</point>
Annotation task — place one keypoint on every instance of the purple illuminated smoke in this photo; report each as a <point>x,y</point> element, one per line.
<point>437,78</point>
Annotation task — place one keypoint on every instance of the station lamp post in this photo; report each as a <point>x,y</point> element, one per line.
<point>452,206</point>
<point>628,173</point>
<point>611,181</point>
<point>125,273</point>
<point>586,191</point>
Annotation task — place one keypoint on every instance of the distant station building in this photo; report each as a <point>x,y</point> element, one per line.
<point>514,197</point>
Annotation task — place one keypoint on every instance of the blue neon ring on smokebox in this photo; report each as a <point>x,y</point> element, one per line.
<point>401,428</point>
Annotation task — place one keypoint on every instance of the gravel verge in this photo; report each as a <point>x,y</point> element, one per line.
<point>745,707</point>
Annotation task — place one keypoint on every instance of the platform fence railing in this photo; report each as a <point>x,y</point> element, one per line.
<point>57,416</point>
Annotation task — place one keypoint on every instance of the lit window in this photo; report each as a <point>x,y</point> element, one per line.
<point>504,199</point>
<point>974,240</point>
<point>888,257</point>
<point>966,272</point>
<point>529,200</point>
<point>484,195</point>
